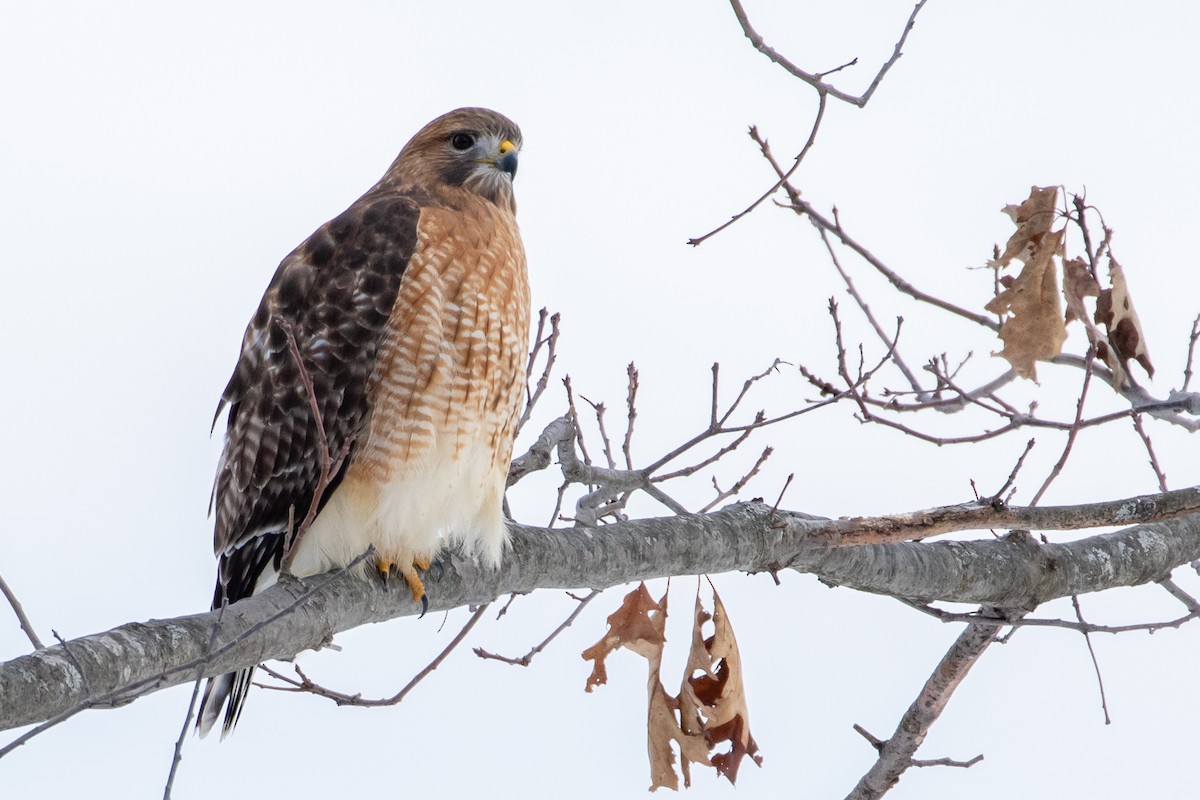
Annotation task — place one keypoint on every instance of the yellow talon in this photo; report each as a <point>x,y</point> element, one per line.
<point>418,588</point>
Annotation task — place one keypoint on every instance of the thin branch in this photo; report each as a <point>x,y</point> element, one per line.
<point>879,744</point>
<point>177,757</point>
<point>308,686</point>
<point>1043,622</point>
<point>1154,465</point>
<point>723,495</point>
<point>540,453</point>
<point>631,406</point>
<point>982,516</point>
<point>330,466</point>
<point>896,754</point>
<point>19,610</point>
<point>888,341</point>
<point>998,497</point>
<point>812,138</point>
<point>550,343</point>
<point>816,79</point>
<point>1092,652</point>
<point>525,660</point>
<point>1191,353</point>
<point>1179,594</point>
<point>1062,459</point>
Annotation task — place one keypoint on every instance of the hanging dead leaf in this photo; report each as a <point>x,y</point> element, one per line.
<point>1115,311</point>
<point>1033,218</point>
<point>634,625</point>
<point>712,699</point>
<point>1078,283</point>
<point>1032,328</point>
<point>640,625</point>
<point>662,726</point>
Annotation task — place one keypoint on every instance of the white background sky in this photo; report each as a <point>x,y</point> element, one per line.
<point>156,164</point>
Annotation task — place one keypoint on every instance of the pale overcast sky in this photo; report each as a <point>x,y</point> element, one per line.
<point>157,161</point>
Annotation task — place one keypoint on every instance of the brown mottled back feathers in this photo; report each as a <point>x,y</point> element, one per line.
<point>336,290</point>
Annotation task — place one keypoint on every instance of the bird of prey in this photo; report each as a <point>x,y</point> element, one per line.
<point>404,321</point>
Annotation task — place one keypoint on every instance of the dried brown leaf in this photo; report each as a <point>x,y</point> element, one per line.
<point>1033,219</point>
<point>1032,329</point>
<point>634,625</point>
<point>1115,311</point>
<point>1078,283</point>
<point>712,699</point>
<point>640,625</point>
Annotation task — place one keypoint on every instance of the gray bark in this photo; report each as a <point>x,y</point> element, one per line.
<point>1012,572</point>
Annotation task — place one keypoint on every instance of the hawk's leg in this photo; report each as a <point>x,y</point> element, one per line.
<point>408,568</point>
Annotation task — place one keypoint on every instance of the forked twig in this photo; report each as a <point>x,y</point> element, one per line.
<point>524,661</point>
<point>307,685</point>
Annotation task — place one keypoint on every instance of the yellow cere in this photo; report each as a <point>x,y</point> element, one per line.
<point>507,147</point>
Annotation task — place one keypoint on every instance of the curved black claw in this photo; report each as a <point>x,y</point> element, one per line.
<point>424,605</point>
<point>437,568</point>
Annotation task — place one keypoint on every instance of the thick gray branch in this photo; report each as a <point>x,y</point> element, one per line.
<point>1014,572</point>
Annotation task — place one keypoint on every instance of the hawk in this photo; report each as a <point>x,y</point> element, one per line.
<point>404,320</point>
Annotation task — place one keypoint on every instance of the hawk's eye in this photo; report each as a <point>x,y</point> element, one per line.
<point>462,141</point>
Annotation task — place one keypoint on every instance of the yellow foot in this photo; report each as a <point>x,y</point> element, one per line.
<point>409,570</point>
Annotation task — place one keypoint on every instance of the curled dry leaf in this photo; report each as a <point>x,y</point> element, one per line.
<point>640,624</point>
<point>1032,327</point>
<point>1078,283</point>
<point>710,711</point>
<point>1114,310</point>
<point>712,699</point>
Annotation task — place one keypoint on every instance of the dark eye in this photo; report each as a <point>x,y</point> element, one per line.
<point>462,141</point>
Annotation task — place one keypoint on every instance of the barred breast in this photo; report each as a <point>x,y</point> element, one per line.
<point>444,397</point>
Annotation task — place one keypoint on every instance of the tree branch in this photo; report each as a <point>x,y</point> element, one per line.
<point>896,754</point>
<point>1012,572</point>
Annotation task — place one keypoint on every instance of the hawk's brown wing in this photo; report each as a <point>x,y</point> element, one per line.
<point>335,291</point>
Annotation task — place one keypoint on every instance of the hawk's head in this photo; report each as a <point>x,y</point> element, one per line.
<point>471,148</point>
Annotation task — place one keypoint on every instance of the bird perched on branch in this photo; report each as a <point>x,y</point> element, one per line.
<point>378,387</point>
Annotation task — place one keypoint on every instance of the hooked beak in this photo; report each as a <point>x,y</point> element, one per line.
<point>508,158</point>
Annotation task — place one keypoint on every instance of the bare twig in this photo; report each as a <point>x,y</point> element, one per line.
<point>631,406</point>
<point>1041,622</point>
<point>1095,663</point>
<point>981,516</point>
<point>812,138</point>
<point>512,597</point>
<point>888,341</point>
<point>816,79</point>
<point>177,756</point>
<point>1179,594</point>
<point>1062,460</point>
<point>19,610</point>
<point>540,453</point>
<point>1191,353</point>
<point>896,754</point>
<point>998,497</point>
<point>1154,465</point>
<point>879,744</point>
<point>330,465</point>
<point>723,495</point>
<point>524,660</point>
<point>305,684</point>
<point>550,342</point>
